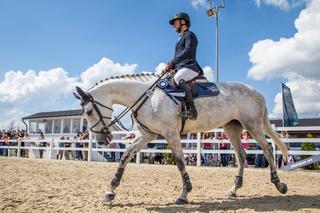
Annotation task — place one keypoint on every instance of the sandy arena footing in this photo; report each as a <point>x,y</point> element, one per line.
<point>31,185</point>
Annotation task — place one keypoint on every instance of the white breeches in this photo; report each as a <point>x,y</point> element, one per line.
<point>185,74</point>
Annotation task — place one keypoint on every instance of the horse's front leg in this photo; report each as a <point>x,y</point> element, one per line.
<point>133,149</point>
<point>174,143</point>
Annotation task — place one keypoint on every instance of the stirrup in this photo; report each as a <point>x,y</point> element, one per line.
<point>192,116</point>
<point>188,115</point>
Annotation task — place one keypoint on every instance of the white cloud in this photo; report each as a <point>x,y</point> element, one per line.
<point>305,94</point>
<point>282,4</point>
<point>17,86</point>
<point>105,68</point>
<point>201,3</point>
<point>22,93</point>
<point>160,67</point>
<point>296,59</point>
<point>208,73</point>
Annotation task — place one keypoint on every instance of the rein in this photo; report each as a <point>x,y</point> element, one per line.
<point>116,120</point>
<point>124,112</point>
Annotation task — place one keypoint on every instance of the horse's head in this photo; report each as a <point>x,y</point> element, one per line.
<point>97,114</point>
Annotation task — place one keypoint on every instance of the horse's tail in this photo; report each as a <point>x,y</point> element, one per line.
<point>268,129</point>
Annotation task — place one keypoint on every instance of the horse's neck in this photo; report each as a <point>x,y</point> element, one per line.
<point>123,91</point>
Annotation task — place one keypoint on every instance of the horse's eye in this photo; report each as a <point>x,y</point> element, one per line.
<point>89,112</point>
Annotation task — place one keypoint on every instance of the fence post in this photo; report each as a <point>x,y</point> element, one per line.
<point>274,152</point>
<point>198,149</point>
<point>138,158</point>
<point>274,148</point>
<point>90,147</point>
<point>19,148</point>
<point>51,149</point>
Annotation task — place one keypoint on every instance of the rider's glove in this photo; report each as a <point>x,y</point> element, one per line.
<point>170,66</point>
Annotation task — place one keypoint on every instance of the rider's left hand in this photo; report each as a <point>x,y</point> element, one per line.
<point>170,66</point>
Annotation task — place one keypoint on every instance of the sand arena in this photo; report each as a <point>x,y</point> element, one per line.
<point>29,185</point>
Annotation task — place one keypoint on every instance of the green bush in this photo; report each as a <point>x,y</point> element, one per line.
<point>309,147</point>
<point>168,157</point>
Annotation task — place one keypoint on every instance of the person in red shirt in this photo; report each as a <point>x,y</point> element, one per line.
<point>206,146</point>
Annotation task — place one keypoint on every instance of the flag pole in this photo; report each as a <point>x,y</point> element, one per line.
<point>282,104</point>
<point>214,10</point>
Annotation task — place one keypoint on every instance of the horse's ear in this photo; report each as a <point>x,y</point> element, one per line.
<point>76,96</point>
<point>81,94</point>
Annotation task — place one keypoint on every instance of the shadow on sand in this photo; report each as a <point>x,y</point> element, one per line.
<point>259,204</point>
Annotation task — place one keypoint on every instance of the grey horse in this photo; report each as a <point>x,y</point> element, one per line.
<point>237,107</point>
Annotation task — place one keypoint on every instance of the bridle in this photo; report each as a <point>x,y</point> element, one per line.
<point>105,128</point>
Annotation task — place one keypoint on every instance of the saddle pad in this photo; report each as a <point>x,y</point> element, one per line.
<point>204,89</point>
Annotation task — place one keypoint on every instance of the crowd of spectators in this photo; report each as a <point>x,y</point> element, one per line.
<point>9,138</point>
<point>226,159</point>
<point>6,138</point>
<point>65,142</point>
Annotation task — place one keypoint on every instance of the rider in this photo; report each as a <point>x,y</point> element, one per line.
<point>184,60</point>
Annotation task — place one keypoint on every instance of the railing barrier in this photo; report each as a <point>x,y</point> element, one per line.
<point>35,144</point>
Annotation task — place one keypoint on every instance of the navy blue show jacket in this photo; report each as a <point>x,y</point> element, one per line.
<point>186,51</point>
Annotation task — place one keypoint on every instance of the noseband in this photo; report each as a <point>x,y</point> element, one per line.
<point>105,128</point>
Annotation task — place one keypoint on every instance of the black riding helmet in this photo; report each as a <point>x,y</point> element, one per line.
<point>183,16</point>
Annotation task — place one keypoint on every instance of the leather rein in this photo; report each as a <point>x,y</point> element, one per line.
<point>116,120</point>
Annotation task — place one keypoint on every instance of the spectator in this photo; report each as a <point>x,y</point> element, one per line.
<point>26,144</point>
<point>225,158</point>
<point>6,142</point>
<point>245,137</point>
<point>245,143</point>
<point>79,155</point>
<point>85,136</point>
<point>13,136</point>
<point>1,143</point>
<point>61,144</point>
<point>67,144</point>
<point>41,144</point>
<point>113,154</point>
<point>206,146</point>
<point>260,160</point>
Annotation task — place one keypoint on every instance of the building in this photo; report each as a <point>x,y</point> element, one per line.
<point>56,123</point>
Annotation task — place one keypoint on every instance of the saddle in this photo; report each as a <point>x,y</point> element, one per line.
<point>200,87</point>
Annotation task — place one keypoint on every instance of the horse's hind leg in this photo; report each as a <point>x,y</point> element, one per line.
<point>174,142</point>
<point>257,134</point>
<point>234,130</point>
<point>133,149</point>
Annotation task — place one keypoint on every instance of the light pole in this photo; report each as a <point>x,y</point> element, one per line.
<point>214,10</point>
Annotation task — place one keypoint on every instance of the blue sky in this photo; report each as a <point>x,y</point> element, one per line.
<point>71,37</point>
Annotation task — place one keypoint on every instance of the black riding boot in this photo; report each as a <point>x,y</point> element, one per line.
<point>191,109</point>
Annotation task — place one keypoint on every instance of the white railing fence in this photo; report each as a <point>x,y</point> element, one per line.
<point>190,146</point>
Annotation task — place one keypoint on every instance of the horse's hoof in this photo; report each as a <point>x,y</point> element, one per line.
<point>181,201</point>
<point>231,194</point>
<point>282,188</point>
<point>109,196</point>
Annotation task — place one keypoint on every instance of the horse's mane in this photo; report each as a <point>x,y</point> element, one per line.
<point>140,76</point>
